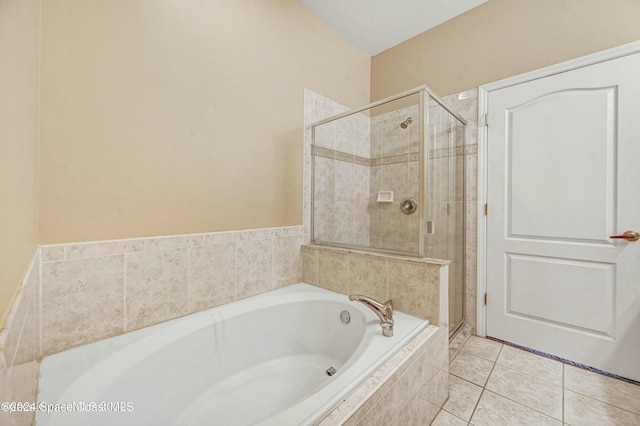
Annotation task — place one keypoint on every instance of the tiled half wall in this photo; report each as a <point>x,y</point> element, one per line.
<point>416,286</point>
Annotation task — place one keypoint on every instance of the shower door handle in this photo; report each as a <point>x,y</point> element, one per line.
<point>628,235</point>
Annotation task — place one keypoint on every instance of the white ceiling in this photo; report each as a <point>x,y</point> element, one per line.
<point>376,25</point>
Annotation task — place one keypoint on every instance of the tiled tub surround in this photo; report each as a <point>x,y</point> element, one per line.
<point>143,274</point>
<point>97,290</point>
<point>411,387</point>
<point>75,294</point>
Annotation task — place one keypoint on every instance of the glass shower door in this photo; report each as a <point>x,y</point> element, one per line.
<point>446,202</point>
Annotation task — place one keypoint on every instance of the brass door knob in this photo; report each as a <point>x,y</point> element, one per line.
<point>628,235</point>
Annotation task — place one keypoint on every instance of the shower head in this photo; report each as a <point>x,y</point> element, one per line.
<point>406,122</point>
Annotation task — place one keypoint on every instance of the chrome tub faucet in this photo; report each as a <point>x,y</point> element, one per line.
<point>384,311</point>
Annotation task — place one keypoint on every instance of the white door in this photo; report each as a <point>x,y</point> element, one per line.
<point>563,159</point>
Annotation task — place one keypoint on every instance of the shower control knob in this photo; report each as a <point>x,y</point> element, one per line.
<point>408,205</point>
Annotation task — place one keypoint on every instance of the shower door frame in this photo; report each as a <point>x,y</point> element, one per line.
<point>422,91</point>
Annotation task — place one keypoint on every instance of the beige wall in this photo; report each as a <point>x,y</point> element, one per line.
<point>156,117</point>
<point>164,117</point>
<point>503,38</point>
<point>19,34</point>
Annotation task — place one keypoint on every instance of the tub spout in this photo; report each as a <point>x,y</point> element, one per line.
<point>384,311</point>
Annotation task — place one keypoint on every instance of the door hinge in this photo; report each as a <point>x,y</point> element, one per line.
<point>485,298</point>
<point>484,119</point>
<point>486,209</point>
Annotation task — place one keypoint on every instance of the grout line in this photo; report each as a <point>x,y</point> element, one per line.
<point>475,407</point>
<point>492,368</point>
<point>512,400</point>
<point>235,270</point>
<point>386,261</point>
<point>39,304</point>
<point>350,290</point>
<point>124,293</point>
<point>188,278</point>
<point>484,387</point>
<point>467,422</point>
<point>273,256</point>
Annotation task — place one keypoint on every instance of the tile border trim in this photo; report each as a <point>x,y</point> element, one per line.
<point>333,154</point>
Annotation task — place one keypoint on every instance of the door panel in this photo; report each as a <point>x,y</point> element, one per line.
<point>533,292</point>
<point>556,168</point>
<point>562,178</point>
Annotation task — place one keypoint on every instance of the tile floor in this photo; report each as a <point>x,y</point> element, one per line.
<point>494,384</point>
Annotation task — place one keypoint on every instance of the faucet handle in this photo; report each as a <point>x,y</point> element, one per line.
<point>384,311</point>
<point>388,305</point>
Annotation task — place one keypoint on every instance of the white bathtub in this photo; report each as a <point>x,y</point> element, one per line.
<point>262,360</point>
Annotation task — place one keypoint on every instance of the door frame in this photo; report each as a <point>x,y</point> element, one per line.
<point>483,97</point>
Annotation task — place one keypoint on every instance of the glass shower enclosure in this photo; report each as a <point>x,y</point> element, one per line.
<point>389,177</point>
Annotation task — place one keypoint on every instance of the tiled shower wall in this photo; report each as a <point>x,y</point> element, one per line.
<point>355,158</point>
<point>395,167</point>
<point>341,169</point>
<point>395,154</point>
